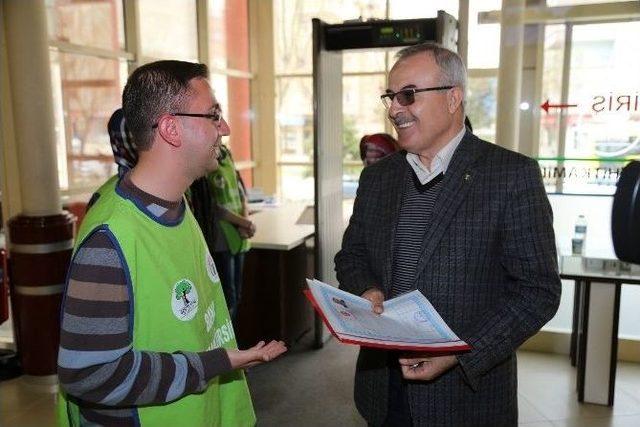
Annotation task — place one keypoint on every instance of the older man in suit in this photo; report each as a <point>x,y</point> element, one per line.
<point>468,224</point>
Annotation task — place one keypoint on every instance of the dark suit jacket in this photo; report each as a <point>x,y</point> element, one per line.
<point>488,265</point>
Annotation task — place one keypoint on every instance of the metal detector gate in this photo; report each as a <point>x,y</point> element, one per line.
<point>328,43</point>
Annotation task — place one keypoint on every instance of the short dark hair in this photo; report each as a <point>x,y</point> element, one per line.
<point>154,89</point>
<point>453,70</point>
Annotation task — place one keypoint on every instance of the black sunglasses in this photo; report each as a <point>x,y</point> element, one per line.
<point>407,96</point>
<point>216,116</point>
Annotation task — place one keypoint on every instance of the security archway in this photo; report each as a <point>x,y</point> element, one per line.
<point>329,41</point>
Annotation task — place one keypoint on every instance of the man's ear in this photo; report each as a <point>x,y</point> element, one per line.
<point>169,129</point>
<point>454,99</point>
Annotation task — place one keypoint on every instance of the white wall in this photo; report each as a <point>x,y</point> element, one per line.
<point>597,210</point>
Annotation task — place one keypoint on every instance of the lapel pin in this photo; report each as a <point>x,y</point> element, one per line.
<point>466,177</point>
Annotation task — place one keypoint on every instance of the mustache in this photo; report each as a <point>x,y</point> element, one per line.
<point>400,119</point>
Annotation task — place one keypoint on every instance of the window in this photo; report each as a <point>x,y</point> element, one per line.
<point>363,114</point>
<point>364,79</point>
<point>482,64</point>
<point>586,145</point>
<point>90,23</point>
<point>90,65</point>
<point>481,105</point>
<point>294,135</point>
<point>89,70</point>
<point>231,76</point>
<point>552,3</point>
<point>168,29</point>
<point>483,35</point>
<point>91,90</point>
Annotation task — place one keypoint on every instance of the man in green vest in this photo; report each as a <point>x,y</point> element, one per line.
<point>146,337</point>
<point>233,228</point>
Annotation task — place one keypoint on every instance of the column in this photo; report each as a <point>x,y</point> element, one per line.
<point>41,236</point>
<point>510,73</point>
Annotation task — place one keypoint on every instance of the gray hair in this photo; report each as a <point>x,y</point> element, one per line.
<point>453,70</point>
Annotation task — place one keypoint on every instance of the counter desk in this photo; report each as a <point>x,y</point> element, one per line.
<point>594,335</point>
<point>272,305</point>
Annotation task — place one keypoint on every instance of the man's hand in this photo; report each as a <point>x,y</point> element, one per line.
<point>426,367</point>
<point>376,297</point>
<point>247,229</point>
<point>261,352</point>
<point>245,233</point>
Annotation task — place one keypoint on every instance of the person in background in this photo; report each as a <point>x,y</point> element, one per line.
<point>375,147</point>
<point>124,153</point>
<point>468,224</point>
<point>146,337</point>
<point>467,124</point>
<point>124,150</point>
<point>233,228</point>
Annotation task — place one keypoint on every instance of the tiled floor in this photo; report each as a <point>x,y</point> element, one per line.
<point>314,388</point>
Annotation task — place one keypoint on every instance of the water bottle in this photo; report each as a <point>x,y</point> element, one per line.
<point>578,242</point>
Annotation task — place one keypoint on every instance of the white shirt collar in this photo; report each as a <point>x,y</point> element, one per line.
<point>440,162</point>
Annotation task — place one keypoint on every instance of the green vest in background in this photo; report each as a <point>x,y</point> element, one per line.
<point>178,306</point>
<point>109,186</point>
<point>226,192</point>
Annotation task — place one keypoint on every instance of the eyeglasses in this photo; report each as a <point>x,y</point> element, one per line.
<point>216,116</point>
<point>407,96</point>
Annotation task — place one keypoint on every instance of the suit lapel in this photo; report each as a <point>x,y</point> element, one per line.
<point>456,184</point>
<point>395,180</point>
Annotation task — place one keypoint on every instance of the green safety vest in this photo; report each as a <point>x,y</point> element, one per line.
<point>178,306</point>
<point>109,186</point>
<point>226,191</point>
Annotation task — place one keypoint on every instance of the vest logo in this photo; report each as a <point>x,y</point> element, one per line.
<point>219,181</point>
<point>184,300</point>
<point>212,271</point>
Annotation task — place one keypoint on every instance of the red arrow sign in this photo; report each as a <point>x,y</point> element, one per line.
<point>546,106</point>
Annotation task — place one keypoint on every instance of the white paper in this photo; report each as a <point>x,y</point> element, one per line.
<point>407,321</point>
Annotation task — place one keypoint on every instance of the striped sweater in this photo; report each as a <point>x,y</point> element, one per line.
<point>96,362</point>
<point>418,201</point>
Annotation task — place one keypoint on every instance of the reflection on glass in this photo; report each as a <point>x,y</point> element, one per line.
<point>481,106</point>
<point>88,23</point>
<point>552,3</point>
<point>551,89</point>
<point>292,28</point>
<point>294,127</point>
<point>219,84</point>
<point>91,89</point>
<point>229,34</point>
<point>350,177</point>
<point>605,124</point>
<point>168,29</point>
<point>483,35</point>
<point>296,182</point>
<point>411,9</point>
<point>363,61</point>
<point>233,94</point>
<point>363,112</point>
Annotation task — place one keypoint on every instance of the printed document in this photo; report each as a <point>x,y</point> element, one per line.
<point>409,321</point>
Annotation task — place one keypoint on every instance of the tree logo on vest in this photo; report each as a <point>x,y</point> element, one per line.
<point>219,181</point>
<point>212,271</point>
<point>184,300</point>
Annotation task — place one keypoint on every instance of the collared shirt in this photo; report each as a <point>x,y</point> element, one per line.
<point>440,162</point>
